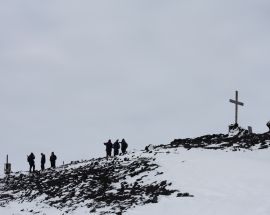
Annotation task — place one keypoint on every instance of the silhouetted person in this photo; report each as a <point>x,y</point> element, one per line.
<point>31,161</point>
<point>43,161</point>
<point>109,146</point>
<point>124,146</point>
<point>268,125</point>
<point>53,160</point>
<point>116,147</point>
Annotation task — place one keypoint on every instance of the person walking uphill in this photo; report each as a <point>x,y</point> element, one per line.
<point>31,161</point>
<point>124,146</point>
<point>109,146</point>
<point>116,147</point>
<point>43,161</point>
<point>53,160</point>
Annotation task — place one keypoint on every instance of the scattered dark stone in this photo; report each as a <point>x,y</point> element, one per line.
<point>184,195</point>
<point>163,183</point>
<point>159,173</point>
<point>68,188</point>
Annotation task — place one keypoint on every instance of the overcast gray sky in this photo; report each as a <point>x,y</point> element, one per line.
<point>75,73</point>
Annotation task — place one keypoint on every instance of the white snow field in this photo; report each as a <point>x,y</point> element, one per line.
<point>223,183</point>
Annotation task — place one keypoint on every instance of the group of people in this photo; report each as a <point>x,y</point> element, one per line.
<point>115,147</point>
<point>31,161</point>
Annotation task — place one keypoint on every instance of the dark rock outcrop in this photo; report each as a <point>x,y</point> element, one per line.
<point>245,141</point>
<point>116,184</point>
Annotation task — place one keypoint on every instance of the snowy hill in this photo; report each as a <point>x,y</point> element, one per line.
<point>212,174</point>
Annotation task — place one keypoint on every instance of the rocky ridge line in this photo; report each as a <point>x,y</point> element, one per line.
<point>242,141</point>
<point>105,187</point>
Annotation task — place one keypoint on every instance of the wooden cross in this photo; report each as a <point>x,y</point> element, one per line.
<point>236,102</point>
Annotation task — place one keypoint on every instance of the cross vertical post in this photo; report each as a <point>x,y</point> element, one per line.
<point>236,107</point>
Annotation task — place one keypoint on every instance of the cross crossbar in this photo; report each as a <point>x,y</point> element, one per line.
<point>236,102</point>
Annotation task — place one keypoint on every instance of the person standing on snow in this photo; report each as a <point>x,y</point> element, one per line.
<point>43,161</point>
<point>53,160</point>
<point>31,161</point>
<point>124,146</point>
<point>116,147</point>
<point>268,125</point>
<point>109,146</point>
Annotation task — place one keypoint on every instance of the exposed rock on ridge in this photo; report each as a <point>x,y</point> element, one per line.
<point>115,185</point>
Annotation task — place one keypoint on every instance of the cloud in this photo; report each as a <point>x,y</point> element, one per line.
<point>73,74</point>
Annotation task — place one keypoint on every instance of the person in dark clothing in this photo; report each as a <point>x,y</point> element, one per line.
<point>43,161</point>
<point>53,160</point>
<point>268,125</point>
<point>31,161</point>
<point>124,146</point>
<point>109,146</point>
<point>116,147</point>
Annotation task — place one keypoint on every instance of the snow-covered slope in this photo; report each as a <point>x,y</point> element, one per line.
<point>209,175</point>
<point>222,183</point>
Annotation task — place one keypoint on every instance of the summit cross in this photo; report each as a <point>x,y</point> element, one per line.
<point>236,102</point>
